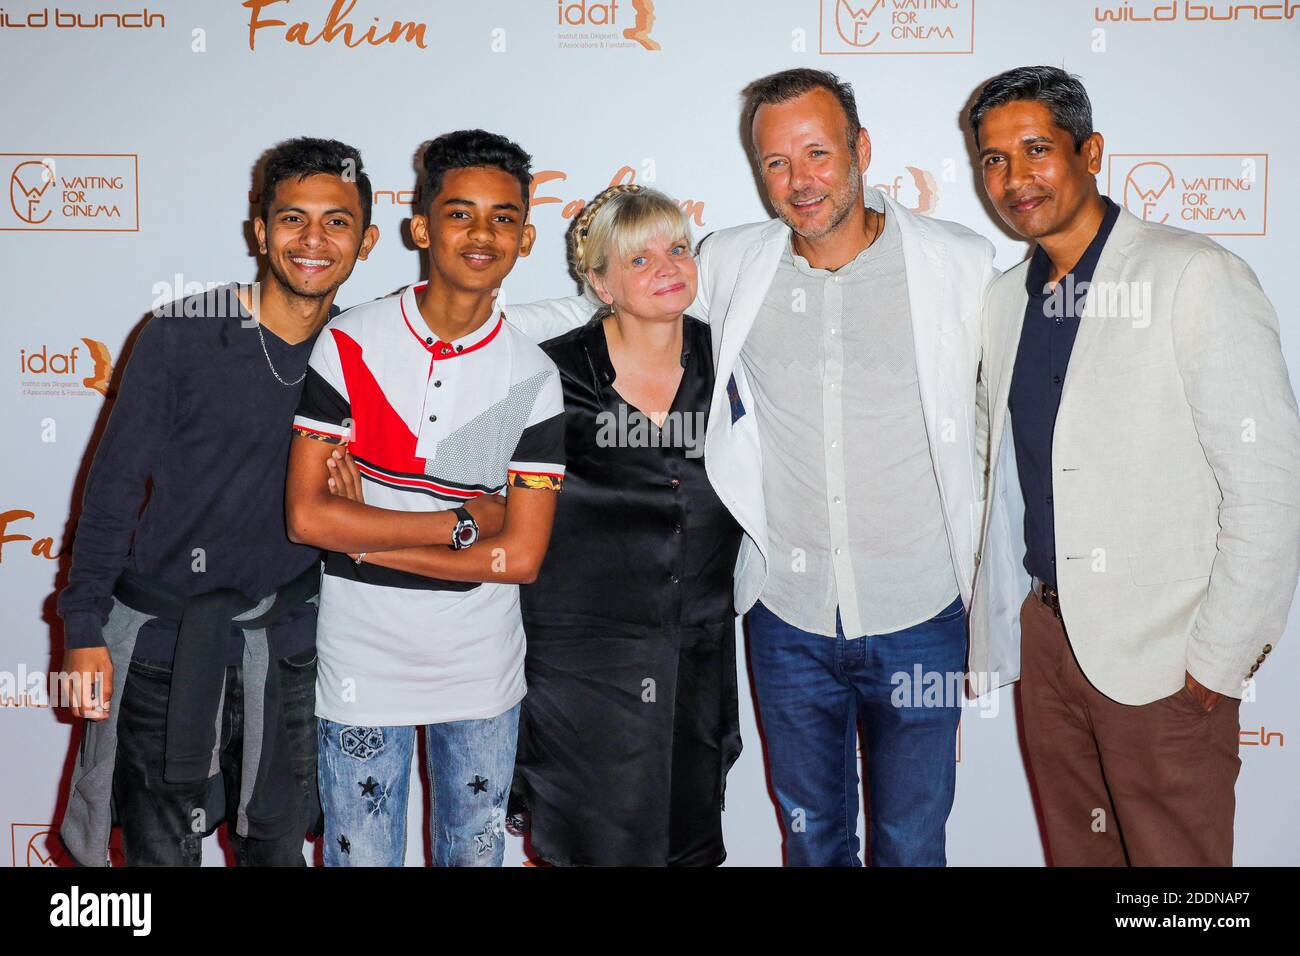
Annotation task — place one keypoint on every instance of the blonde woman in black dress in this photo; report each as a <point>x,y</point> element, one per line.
<point>630,724</point>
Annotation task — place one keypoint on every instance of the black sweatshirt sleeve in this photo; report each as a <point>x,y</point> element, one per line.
<point>128,453</point>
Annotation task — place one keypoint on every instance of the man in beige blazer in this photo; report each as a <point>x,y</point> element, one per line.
<point>1153,448</point>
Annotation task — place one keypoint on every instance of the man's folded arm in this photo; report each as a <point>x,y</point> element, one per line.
<point>314,516</point>
<point>512,557</point>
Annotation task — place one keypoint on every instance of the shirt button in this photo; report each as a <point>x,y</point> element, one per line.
<point>675,483</point>
<point>832,331</point>
<point>429,340</point>
<point>438,384</point>
<point>1049,499</point>
<point>837,500</point>
<point>1056,380</point>
<point>837,550</point>
<point>460,348</point>
<point>1053,560</point>
<point>433,418</point>
<point>835,444</point>
<point>675,580</point>
<point>677,529</point>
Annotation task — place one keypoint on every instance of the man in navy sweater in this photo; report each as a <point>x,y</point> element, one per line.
<point>195,615</point>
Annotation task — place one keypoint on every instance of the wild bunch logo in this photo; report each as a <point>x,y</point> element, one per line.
<point>592,25</point>
<point>1218,194</point>
<point>897,26</point>
<point>63,19</point>
<point>1189,12</point>
<point>78,371</point>
<point>71,192</point>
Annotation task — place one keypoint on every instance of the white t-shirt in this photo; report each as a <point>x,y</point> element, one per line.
<point>431,424</point>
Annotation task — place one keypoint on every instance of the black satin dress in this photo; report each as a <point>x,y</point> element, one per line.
<point>630,723</point>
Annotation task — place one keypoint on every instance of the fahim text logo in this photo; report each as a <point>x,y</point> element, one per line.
<point>1218,194</point>
<point>592,25</point>
<point>62,19</point>
<point>897,26</point>
<point>694,209</point>
<point>47,373</point>
<point>71,192</point>
<point>1149,11</point>
<point>338,26</point>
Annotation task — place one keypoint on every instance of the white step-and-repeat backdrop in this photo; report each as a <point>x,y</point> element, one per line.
<point>154,114</point>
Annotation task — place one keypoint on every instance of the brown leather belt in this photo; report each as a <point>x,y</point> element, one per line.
<point>1048,595</point>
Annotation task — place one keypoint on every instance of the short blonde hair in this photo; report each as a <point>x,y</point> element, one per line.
<point>620,221</point>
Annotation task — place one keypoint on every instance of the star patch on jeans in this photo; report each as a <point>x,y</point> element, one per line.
<point>361,743</point>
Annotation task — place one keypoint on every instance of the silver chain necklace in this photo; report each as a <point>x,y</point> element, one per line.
<point>262,338</point>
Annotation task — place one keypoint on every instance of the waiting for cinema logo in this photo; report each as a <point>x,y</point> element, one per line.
<point>34,844</point>
<point>71,192</point>
<point>897,26</point>
<point>1218,194</point>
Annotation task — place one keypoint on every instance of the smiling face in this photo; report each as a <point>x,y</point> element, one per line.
<point>813,178</point>
<point>655,282</point>
<point>314,236</point>
<point>474,228</point>
<point>1035,178</point>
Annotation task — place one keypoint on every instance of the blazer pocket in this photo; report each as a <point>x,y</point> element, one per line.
<point>1165,567</point>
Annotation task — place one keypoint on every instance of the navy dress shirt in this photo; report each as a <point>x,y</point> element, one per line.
<point>1046,340</point>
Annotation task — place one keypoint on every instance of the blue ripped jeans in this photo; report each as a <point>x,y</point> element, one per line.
<point>365,774</point>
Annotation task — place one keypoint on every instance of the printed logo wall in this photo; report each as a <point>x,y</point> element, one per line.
<point>126,170</point>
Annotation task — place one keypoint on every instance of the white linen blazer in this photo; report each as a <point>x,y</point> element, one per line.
<point>1175,470</point>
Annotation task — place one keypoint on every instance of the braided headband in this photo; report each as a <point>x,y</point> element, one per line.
<point>589,213</point>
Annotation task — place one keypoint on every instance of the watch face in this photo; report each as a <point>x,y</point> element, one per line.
<point>465,534</point>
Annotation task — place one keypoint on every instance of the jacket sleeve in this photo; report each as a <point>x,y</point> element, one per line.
<point>1235,379</point>
<point>983,453</point>
<point>115,488</point>
<point>547,318</point>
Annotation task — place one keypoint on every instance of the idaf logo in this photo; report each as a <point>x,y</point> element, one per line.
<point>897,26</point>
<point>1218,194</point>
<point>71,192</point>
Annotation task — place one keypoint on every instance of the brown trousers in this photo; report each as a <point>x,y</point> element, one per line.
<point>1118,784</point>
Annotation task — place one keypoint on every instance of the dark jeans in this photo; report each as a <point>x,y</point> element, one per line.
<point>905,687</point>
<point>162,822</point>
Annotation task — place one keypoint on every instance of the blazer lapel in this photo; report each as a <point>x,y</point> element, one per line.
<point>754,277</point>
<point>928,301</point>
<point>1107,273</point>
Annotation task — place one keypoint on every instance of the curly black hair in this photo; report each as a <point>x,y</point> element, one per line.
<point>466,148</point>
<point>307,156</point>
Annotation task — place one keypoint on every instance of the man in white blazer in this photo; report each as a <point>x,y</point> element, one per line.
<point>846,336</point>
<point>1152,461</point>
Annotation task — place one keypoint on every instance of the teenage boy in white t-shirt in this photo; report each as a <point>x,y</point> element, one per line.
<point>436,401</point>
